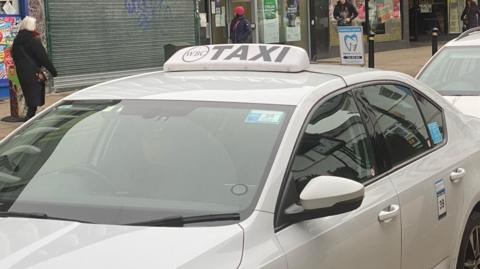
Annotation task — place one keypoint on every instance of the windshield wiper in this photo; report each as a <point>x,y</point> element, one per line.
<point>35,215</point>
<point>179,221</point>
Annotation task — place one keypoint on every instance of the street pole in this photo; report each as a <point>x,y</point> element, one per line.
<point>434,40</point>
<point>371,49</point>
<point>370,36</point>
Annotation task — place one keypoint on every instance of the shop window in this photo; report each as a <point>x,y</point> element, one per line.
<point>284,22</point>
<point>384,17</point>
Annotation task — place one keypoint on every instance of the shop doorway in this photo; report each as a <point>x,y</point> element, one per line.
<point>215,17</point>
<point>424,15</point>
<point>249,14</point>
<point>319,29</point>
<point>219,21</point>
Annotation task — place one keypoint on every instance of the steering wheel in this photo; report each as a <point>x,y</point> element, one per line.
<point>95,180</point>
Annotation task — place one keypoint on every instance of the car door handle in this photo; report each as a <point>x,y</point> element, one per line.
<point>457,175</point>
<point>389,213</point>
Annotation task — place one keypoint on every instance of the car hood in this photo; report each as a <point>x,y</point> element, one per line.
<point>467,104</point>
<point>36,243</point>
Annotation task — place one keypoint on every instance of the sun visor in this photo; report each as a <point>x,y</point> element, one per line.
<point>247,57</point>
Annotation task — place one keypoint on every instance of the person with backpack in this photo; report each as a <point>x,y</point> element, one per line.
<point>240,27</point>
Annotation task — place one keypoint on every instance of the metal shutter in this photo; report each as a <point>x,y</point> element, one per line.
<point>92,37</point>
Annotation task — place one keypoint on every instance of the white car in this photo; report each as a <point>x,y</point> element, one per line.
<point>454,71</point>
<point>244,156</point>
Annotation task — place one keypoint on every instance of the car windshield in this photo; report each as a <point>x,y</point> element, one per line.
<point>128,161</point>
<point>454,71</point>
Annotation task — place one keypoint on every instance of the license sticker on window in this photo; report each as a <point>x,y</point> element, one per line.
<point>441,198</point>
<point>435,133</point>
<point>265,117</point>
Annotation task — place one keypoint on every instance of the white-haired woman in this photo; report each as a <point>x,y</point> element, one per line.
<point>30,56</point>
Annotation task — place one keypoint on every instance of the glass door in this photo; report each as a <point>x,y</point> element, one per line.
<point>319,28</point>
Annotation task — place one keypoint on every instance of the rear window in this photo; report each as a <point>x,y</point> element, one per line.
<point>454,71</point>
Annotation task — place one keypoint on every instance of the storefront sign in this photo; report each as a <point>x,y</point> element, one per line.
<point>270,9</point>
<point>351,44</point>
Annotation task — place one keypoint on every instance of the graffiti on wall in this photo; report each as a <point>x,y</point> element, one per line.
<point>147,10</point>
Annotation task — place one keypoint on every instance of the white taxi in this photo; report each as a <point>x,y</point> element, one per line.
<point>453,72</point>
<point>244,156</point>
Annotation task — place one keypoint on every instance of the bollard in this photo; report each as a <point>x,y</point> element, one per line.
<point>371,49</point>
<point>434,40</point>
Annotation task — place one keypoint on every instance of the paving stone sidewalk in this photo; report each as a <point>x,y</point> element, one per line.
<point>408,61</point>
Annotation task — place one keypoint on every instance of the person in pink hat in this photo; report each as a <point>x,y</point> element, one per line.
<point>240,27</point>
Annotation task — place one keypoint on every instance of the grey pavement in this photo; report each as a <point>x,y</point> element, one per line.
<point>408,61</point>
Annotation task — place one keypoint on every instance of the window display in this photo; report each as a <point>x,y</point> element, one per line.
<point>384,18</point>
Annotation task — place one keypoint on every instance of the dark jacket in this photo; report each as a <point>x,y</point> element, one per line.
<point>342,12</point>
<point>240,30</point>
<point>470,15</point>
<point>29,56</point>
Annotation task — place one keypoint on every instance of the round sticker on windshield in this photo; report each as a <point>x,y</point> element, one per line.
<point>196,53</point>
<point>239,189</point>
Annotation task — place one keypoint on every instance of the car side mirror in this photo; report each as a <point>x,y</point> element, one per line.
<point>326,196</point>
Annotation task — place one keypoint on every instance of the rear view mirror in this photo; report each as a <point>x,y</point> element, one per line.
<point>327,196</point>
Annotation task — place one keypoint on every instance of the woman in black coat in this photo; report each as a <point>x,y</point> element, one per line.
<point>470,15</point>
<point>30,56</point>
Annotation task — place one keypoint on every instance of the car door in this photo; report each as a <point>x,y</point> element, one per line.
<point>424,174</point>
<point>335,142</point>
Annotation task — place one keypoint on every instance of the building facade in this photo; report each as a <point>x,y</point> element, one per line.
<point>92,40</point>
<point>443,14</point>
<point>305,23</point>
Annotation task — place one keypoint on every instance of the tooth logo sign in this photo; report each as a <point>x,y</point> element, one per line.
<point>351,42</point>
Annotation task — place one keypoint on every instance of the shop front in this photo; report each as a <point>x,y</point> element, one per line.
<point>91,41</point>
<point>305,23</point>
<point>272,21</point>
<point>385,18</point>
<point>427,14</point>
<point>11,12</point>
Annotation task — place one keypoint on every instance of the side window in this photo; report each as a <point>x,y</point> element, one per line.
<point>395,115</point>
<point>433,118</point>
<point>334,143</point>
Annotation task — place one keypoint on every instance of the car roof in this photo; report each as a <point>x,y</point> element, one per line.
<point>229,86</point>
<point>470,37</point>
<point>254,73</point>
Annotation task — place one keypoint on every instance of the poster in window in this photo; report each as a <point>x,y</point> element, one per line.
<point>293,24</point>
<point>271,23</point>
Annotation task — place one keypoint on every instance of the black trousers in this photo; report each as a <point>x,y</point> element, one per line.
<point>31,111</point>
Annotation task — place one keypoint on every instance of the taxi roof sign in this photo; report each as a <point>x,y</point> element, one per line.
<point>247,57</point>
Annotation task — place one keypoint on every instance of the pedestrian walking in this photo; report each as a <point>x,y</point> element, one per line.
<point>344,13</point>
<point>240,27</point>
<point>470,15</point>
<point>30,56</point>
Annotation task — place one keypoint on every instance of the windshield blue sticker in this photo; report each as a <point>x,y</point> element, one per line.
<point>441,198</point>
<point>435,133</point>
<point>263,116</point>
